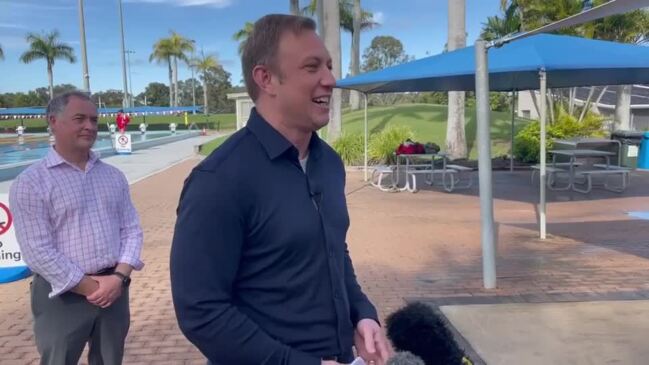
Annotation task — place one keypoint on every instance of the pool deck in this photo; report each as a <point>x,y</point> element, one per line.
<point>146,162</point>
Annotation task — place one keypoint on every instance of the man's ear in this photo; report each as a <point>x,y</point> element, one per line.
<point>51,121</point>
<point>263,77</point>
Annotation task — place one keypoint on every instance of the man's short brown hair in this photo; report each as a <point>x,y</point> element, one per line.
<point>262,45</point>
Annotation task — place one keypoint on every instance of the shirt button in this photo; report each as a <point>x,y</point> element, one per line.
<point>336,294</point>
<point>331,253</point>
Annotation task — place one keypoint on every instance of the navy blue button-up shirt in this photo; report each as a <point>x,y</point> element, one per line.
<point>260,270</point>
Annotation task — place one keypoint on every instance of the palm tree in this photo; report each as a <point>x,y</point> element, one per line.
<point>632,27</point>
<point>242,35</point>
<point>48,47</point>
<point>2,55</point>
<point>295,7</point>
<point>456,146</point>
<point>204,64</point>
<point>331,35</point>
<point>349,11</point>
<point>180,48</point>
<point>163,52</point>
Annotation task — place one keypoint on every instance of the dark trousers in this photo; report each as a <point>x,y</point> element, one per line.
<point>64,324</point>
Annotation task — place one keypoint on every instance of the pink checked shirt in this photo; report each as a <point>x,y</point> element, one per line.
<point>71,222</point>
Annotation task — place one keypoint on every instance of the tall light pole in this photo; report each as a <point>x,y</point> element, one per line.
<point>125,102</point>
<point>130,77</point>
<point>191,67</point>
<point>84,55</point>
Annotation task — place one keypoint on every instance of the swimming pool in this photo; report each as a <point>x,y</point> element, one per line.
<point>33,147</point>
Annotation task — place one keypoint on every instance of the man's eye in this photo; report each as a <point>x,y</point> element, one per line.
<point>311,67</point>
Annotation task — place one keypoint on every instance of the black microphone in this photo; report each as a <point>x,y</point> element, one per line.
<point>316,196</point>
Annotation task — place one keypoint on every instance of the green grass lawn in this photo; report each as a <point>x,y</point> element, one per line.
<point>428,123</point>
<point>210,146</point>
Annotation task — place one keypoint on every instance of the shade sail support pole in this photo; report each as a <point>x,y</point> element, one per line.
<point>484,166</point>
<point>542,154</point>
<point>365,137</point>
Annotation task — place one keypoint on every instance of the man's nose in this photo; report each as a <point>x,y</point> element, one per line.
<point>328,79</point>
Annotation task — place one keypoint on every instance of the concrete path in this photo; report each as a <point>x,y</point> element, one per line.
<point>582,333</point>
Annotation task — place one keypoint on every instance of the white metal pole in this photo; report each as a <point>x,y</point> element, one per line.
<point>542,176</point>
<point>130,78</point>
<point>484,166</point>
<point>125,102</point>
<point>84,54</point>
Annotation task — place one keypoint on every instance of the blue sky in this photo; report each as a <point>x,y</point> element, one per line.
<point>420,24</point>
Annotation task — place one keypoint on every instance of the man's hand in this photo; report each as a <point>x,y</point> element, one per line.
<point>110,288</point>
<point>370,342</point>
<point>86,286</point>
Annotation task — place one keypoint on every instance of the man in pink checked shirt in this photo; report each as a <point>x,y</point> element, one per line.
<point>80,234</point>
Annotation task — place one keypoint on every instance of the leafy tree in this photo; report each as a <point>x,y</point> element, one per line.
<point>47,46</point>
<point>384,51</point>
<point>242,35</point>
<point>157,94</point>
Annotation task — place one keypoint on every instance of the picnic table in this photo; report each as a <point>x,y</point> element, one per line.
<point>605,169</point>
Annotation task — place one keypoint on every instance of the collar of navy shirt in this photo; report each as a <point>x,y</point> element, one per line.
<point>275,144</point>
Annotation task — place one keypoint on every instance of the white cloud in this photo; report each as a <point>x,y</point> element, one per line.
<point>211,3</point>
<point>12,26</point>
<point>379,17</point>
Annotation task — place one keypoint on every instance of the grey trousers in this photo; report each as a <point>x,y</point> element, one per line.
<point>64,324</point>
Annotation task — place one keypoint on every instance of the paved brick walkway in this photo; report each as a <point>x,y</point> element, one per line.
<point>423,245</point>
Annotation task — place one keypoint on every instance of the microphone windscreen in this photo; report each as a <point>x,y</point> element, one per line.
<point>405,358</point>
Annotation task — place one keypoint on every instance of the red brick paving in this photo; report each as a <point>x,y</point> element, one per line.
<point>424,245</point>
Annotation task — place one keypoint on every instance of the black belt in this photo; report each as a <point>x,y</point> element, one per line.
<point>105,272</point>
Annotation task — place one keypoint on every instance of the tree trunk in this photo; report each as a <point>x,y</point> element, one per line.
<point>572,93</point>
<point>205,106</point>
<point>331,16</point>
<point>455,136</point>
<point>535,101</point>
<point>171,84</point>
<point>599,98</point>
<point>355,96</point>
<point>550,101</point>
<point>50,79</point>
<point>295,7</point>
<point>320,17</point>
<point>586,105</point>
<point>623,107</point>
<point>175,81</point>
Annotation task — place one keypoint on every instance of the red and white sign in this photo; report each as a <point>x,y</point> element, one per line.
<point>10,255</point>
<point>123,143</point>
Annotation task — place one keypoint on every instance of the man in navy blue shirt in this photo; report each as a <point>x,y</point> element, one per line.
<point>260,270</point>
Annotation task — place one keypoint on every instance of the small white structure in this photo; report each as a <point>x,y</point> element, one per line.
<point>142,128</point>
<point>243,107</point>
<point>172,127</point>
<point>20,130</point>
<point>112,128</point>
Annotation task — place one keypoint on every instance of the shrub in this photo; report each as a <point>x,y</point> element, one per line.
<point>350,148</point>
<point>382,145</point>
<point>526,142</point>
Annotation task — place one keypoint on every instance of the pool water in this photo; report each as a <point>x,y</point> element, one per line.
<point>15,150</point>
